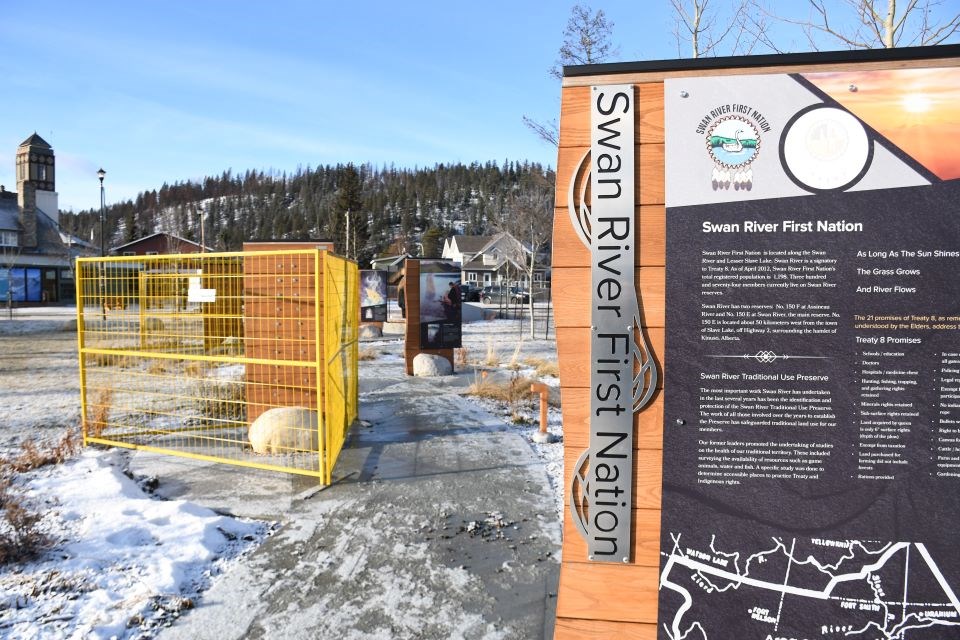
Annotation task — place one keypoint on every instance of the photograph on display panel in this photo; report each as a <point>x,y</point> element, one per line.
<point>440,305</point>
<point>373,295</point>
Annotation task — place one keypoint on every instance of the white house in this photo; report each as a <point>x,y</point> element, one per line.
<point>461,249</point>
<point>501,259</point>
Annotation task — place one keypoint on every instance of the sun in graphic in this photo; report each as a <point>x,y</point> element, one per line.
<point>916,103</point>
<point>915,109</point>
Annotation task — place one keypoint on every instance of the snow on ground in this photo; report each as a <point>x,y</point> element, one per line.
<point>125,563</point>
<point>36,320</point>
<point>551,453</point>
<point>122,563</point>
<point>39,385</point>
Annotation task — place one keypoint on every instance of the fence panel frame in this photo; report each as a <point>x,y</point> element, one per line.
<point>122,295</point>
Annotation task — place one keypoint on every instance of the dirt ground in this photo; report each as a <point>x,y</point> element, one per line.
<point>39,386</point>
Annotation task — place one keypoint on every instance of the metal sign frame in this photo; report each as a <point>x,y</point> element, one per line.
<point>623,373</point>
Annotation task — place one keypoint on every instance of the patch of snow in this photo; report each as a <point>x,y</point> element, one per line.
<point>123,563</point>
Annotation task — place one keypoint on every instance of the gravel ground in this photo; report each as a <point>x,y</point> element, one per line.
<point>39,381</point>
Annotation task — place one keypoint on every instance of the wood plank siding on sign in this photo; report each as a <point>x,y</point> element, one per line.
<point>590,601</point>
<point>411,294</point>
<point>281,294</point>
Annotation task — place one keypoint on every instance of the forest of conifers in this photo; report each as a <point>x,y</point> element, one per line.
<point>387,205</point>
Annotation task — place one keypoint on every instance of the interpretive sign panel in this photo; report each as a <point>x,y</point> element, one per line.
<point>811,475</point>
<point>440,305</point>
<point>373,295</point>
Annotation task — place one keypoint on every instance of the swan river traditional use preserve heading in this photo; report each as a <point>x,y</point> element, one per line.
<point>811,454</point>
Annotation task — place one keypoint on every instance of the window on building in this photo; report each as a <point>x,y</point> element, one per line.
<point>471,276</point>
<point>153,253</point>
<point>129,253</point>
<point>8,238</point>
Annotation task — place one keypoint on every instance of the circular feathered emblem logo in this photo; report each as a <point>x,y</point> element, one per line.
<point>733,143</point>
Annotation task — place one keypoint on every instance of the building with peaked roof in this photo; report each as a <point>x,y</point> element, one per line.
<point>500,259</point>
<point>36,255</point>
<point>158,244</point>
<point>393,265</point>
<point>461,249</point>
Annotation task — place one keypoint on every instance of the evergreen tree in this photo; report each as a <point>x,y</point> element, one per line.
<point>432,242</point>
<point>349,202</point>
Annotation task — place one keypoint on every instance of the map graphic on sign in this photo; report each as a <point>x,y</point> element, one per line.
<point>809,588</point>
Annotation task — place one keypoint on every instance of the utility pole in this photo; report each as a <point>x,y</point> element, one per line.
<point>200,214</point>
<point>101,174</point>
<point>347,239</point>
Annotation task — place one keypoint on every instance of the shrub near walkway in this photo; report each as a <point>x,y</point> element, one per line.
<point>20,536</point>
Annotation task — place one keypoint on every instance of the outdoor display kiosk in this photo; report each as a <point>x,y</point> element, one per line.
<point>761,388</point>
<point>433,302</point>
<point>373,296</point>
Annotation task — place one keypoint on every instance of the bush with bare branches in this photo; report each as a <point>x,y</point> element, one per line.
<point>20,535</point>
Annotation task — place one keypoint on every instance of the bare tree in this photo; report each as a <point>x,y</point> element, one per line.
<point>8,260</point>
<point>548,132</point>
<point>874,24</point>
<point>528,217</point>
<point>586,40</point>
<point>732,29</point>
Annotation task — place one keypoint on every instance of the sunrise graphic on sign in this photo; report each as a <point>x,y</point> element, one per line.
<point>916,109</point>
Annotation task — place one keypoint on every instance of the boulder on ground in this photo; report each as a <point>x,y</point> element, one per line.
<point>368,331</point>
<point>284,430</point>
<point>428,365</point>
<point>153,325</point>
<point>541,437</point>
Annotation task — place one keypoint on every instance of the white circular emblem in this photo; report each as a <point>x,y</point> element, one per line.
<point>733,142</point>
<point>825,149</point>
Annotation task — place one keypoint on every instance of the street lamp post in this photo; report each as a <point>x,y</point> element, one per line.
<point>101,174</point>
<point>103,301</point>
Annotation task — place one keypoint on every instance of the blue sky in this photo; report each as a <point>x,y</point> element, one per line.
<point>160,92</point>
<point>168,91</point>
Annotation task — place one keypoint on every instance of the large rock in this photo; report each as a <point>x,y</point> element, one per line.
<point>284,430</point>
<point>368,331</point>
<point>428,365</point>
<point>394,327</point>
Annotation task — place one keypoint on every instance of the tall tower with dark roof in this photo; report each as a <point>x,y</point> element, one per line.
<point>35,186</point>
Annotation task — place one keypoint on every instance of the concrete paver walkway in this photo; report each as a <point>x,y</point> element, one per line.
<point>440,524</point>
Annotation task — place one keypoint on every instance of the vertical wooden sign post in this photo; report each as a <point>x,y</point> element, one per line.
<point>412,333</point>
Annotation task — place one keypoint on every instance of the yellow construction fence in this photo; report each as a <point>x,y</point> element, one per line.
<point>246,358</point>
